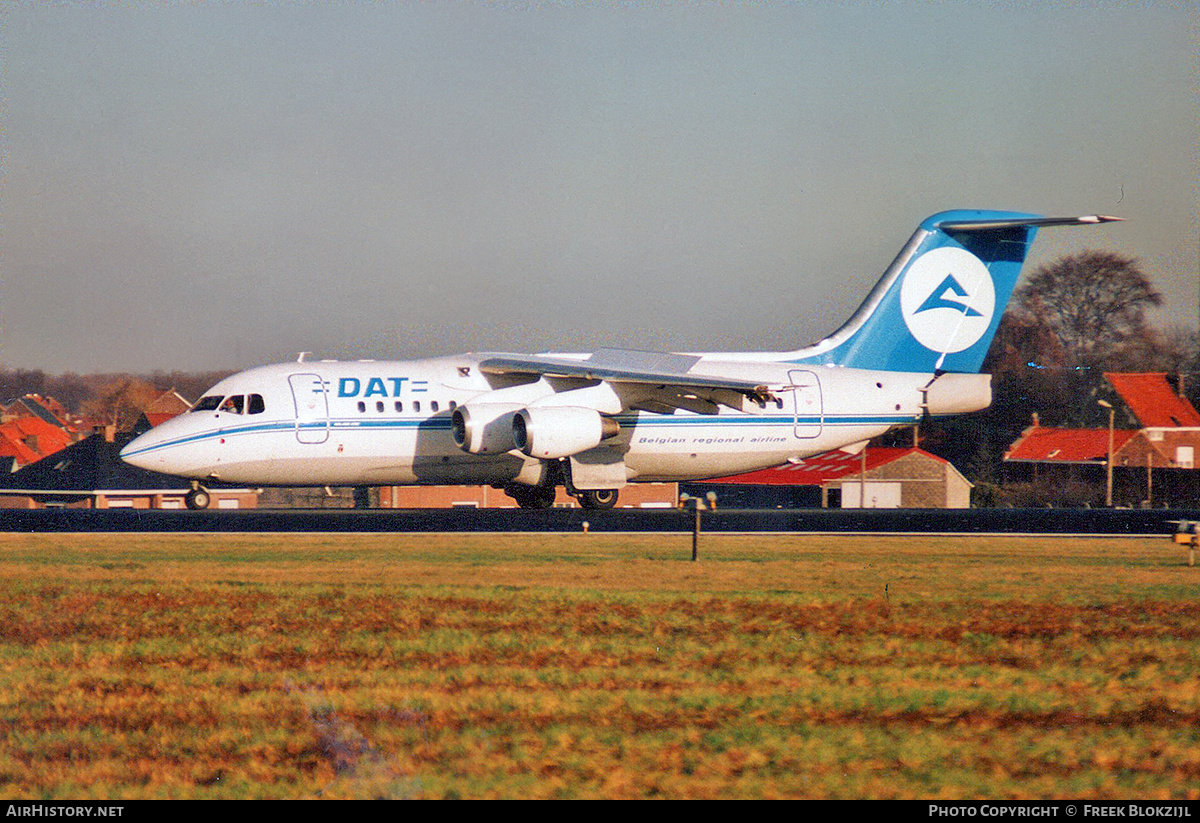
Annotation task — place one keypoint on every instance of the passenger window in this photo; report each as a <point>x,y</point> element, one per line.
<point>233,404</point>
<point>362,407</point>
<point>209,403</point>
<point>399,406</point>
<point>378,405</point>
<point>416,405</point>
<point>433,406</point>
<point>256,405</point>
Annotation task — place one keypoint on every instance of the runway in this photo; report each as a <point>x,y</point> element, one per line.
<point>851,521</point>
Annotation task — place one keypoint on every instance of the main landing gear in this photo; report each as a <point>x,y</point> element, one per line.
<point>531,497</point>
<point>542,497</point>
<point>597,498</point>
<point>558,474</point>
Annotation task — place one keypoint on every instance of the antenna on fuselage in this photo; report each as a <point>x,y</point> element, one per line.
<point>300,357</point>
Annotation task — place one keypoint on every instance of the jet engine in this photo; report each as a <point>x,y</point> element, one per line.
<point>551,432</point>
<point>484,428</point>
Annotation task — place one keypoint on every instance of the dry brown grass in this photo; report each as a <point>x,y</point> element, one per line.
<point>596,666</point>
<point>812,566</point>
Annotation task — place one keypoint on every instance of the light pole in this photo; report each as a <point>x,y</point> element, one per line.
<point>1109,461</point>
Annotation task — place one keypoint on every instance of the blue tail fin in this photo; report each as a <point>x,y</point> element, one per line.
<point>938,305</point>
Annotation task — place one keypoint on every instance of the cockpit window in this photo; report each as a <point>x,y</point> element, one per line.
<point>255,404</point>
<point>233,404</point>
<point>209,403</point>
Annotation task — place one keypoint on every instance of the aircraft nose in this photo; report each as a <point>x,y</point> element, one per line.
<point>135,452</point>
<point>167,449</point>
<point>145,451</point>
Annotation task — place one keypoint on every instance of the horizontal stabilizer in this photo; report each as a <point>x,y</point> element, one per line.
<point>992,225</point>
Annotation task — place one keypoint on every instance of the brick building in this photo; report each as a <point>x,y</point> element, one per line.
<point>891,477</point>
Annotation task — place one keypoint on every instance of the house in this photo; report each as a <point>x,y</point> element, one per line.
<point>167,405</point>
<point>892,478</point>
<point>34,405</point>
<point>28,439</point>
<point>1152,400</point>
<point>1063,447</point>
<point>1154,464</point>
<point>33,427</point>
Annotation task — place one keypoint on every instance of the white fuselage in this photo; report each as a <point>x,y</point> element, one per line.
<point>595,422</point>
<point>389,423</point>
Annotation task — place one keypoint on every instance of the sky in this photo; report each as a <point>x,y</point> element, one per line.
<point>201,186</point>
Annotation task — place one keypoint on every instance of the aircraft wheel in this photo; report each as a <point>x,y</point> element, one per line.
<point>598,499</point>
<point>197,499</point>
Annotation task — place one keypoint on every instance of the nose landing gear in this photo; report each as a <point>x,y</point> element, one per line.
<point>197,498</point>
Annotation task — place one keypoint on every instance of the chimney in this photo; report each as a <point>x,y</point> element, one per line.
<point>1035,419</point>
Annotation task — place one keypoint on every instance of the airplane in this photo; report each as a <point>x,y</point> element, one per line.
<point>595,422</point>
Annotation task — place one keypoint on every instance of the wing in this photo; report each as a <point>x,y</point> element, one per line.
<point>653,381</point>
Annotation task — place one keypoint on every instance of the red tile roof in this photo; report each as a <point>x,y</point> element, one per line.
<point>1152,400</point>
<point>167,405</point>
<point>13,447</point>
<point>818,470</point>
<point>29,439</point>
<point>1044,444</point>
<point>155,419</point>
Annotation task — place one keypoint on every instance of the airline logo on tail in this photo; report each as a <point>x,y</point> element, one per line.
<point>947,299</point>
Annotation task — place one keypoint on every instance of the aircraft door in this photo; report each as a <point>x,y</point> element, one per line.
<point>312,407</point>
<point>809,408</point>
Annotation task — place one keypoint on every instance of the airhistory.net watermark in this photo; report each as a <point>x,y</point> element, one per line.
<point>61,810</point>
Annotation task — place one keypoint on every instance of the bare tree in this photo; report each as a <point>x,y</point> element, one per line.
<point>1094,304</point>
<point>1177,350</point>
<point>120,402</point>
<point>19,382</point>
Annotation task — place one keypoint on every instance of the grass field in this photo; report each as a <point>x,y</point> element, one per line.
<point>597,666</point>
